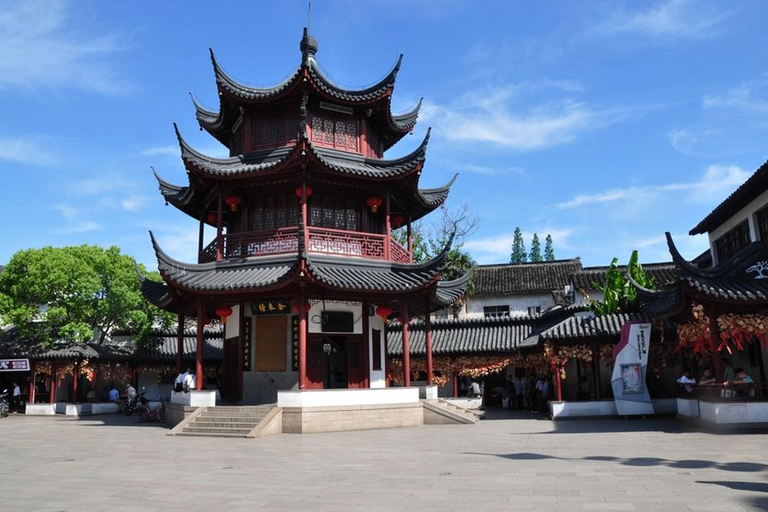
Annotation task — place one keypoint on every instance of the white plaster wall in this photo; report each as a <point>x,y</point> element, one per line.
<point>148,382</point>
<point>518,304</point>
<point>378,379</point>
<point>232,327</point>
<point>747,212</point>
<point>347,397</point>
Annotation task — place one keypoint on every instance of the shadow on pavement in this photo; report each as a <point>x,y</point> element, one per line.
<point>745,467</point>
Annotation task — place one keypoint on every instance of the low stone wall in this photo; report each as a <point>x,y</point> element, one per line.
<point>305,420</point>
<point>40,409</point>
<point>175,413</point>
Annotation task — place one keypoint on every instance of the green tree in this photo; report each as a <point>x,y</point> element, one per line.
<point>67,294</point>
<point>619,294</point>
<point>549,252</point>
<point>518,248</point>
<point>535,249</point>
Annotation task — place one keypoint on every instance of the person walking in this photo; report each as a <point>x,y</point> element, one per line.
<point>16,397</point>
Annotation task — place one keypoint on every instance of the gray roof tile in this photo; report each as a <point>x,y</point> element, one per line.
<point>540,277</point>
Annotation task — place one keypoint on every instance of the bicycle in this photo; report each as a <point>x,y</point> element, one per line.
<point>144,413</point>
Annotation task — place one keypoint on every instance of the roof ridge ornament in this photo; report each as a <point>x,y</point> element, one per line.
<point>308,46</point>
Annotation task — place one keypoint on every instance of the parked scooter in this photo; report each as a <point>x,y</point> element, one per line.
<point>4,404</point>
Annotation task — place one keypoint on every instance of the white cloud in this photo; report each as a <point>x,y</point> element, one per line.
<point>25,150</point>
<point>669,19</point>
<point>716,181</point>
<point>42,49</point>
<point>75,221</point>
<point>488,115</point>
<point>170,150</point>
<point>134,203</point>
<point>99,185</point>
<point>491,171</point>
<point>751,97</point>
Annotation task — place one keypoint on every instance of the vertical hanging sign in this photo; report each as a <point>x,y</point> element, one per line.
<point>295,343</point>
<point>247,344</point>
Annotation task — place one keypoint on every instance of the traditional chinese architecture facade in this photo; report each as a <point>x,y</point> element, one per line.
<point>303,269</point>
<point>723,310</point>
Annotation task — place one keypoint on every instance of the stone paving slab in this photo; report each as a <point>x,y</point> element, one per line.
<point>502,463</point>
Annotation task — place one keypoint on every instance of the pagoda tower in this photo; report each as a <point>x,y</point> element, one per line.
<point>303,269</point>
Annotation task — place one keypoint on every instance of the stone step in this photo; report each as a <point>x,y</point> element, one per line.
<point>216,430</point>
<point>254,408</point>
<point>225,416</point>
<point>206,434</point>
<point>223,424</point>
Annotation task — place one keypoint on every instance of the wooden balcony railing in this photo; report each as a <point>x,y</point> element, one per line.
<point>321,240</point>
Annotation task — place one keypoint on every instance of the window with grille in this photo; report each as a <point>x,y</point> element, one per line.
<point>762,224</point>
<point>333,212</point>
<point>334,133</point>
<point>267,133</point>
<point>489,311</point>
<point>273,212</point>
<point>732,242</point>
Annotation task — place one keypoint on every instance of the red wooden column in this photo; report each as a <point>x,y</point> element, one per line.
<point>179,342</point>
<point>596,369</point>
<point>199,346</point>
<point>52,397</point>
<point>386,354</point>
<point>94,380</point>
<point>32,366</point>
<point>428,336</point>
<point>201,233</point>
<point>714,342</point>
<point>302,338</point>
<point>388,230</point>
<point>75,381</point>
<point>559,382</point>
<point>219,227</point>
<point>455,384</point>
<point>406,346</point>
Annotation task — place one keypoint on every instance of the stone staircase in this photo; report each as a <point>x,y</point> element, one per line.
<point>225,421</point>
<point>472,414</point>
<point>442,412</point>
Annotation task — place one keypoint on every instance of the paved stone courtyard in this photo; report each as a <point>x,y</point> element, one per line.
<point>110,463</point>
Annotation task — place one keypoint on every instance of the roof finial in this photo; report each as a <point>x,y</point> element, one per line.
<point>309,16</point>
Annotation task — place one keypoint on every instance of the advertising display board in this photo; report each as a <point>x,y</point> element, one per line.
<point>629,370</point>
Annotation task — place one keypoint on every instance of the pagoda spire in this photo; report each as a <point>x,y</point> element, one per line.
<point>308,46</point>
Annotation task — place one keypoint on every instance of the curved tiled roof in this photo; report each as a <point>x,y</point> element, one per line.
<point>365,95</point>
<point>236,166</point>
<point>459,336</point>
<point>747,192</point>
<point>580,327</point>
<point>593,278</point>
<point>228,85</point>
<point>156,293</point>
<point>510,279</point>
<point>226,276</point>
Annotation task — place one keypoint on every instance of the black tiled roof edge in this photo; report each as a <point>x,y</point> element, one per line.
<point>160,347</point>
<point>382,276</point>
<point>589,327</point>
<point>156,293</point>
<point>462,336</point>
<point>662,273</point>
<point>229,85</point>
<point>510,279</point>
<point>748,191</point>
<point>226,276</point>
<point>367,94</point>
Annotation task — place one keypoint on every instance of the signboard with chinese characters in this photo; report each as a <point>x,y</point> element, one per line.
<point>630,369</point>
<point>295,343</point>
<point>14,365</point>
<point>246,344</point>
<point>270,307</point>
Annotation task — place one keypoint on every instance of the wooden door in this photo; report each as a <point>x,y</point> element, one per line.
<point>357,362</point>
<point>271,343</point>
<point>315,363</point>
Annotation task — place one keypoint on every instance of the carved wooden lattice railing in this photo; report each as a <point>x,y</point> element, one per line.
<point>321,240</point>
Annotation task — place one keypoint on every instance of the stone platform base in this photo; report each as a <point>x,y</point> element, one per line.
<point>305,420</point>
<point>175,413</point>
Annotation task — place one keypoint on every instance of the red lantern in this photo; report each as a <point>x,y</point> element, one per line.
<point>233,202</point>
<point>299,191</point>
<point>223,312</point>
<point>397,221</point>
<point>374,202</point>
<point>213,218</point>
<point>383,311</point>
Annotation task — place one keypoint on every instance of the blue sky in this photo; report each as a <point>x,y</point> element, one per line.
<point>602,123</point>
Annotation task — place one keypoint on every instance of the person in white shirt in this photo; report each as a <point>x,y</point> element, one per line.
<point>130,392</point>
<point>16,403</point>
<point>190,381</point>
<point>687,381</point>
